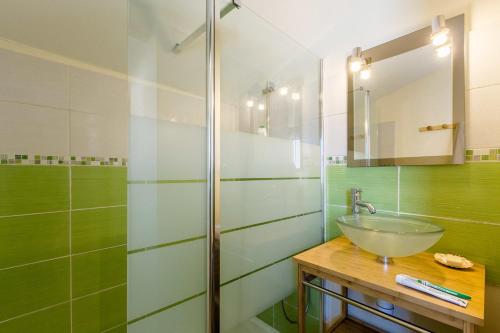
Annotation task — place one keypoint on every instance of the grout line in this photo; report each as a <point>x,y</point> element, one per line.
<point>34,263</point>
<point>452,219</point>
<point>70,206</point>
<point>62,211</point>
<point>100,249</point>
<point>33,312</point>
<point>485,86</point>
<point>31,214</point>
<point>100,207</point>
<point>99,291</point>
<point>112,328</point>
<point>399,188</point>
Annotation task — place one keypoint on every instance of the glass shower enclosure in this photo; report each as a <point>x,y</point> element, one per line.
<point>159,167</point>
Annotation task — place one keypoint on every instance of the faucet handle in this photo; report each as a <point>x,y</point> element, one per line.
<point>356,190</point>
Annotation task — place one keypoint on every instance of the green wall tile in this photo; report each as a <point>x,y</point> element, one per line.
<point>99,270</point>
<point>284,326</point>
<point>476,241</point>
<point>98,312</point>
<point>379,185</point>
<point>460,191</point>
<point>33,189</point>
<point>30,238</point>
<point>332,228</point>
<point>98,228</point>
<point>52,320</point>
<point>119,329</point>
<point>267,316</point>
<point>28,288</point>
<point>98,186</point>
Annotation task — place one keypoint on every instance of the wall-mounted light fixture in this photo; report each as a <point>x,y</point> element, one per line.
<point>283,91</point>
<point>261,107</point>
<point>440,36</point>
<point>356,62</point>
<point>440,33</point>
<point>295,96</point>
<point>366,70</point>
<point>250,103</point>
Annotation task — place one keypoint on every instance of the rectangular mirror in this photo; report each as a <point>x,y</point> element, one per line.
<point>409,108</point>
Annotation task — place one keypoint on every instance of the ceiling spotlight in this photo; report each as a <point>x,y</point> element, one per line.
<point>250,103</point>
<point>440,32</point>
<point>295,96</point>
<point>261,107</point>
<point>443,51</point>
<point>283,91</point>
<point>356,61</point>
<point>366,70</point>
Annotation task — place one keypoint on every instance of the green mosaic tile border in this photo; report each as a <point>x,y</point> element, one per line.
<point>337,160</point>
<point>482,155</point>
<point>37,159</point>
<point>471,155</point>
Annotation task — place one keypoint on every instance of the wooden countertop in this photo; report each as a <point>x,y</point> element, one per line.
<point>341,259</point>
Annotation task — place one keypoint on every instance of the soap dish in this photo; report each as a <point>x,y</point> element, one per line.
<point>452,260</point>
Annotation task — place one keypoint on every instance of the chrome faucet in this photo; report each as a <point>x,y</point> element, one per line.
<point>357,202</point>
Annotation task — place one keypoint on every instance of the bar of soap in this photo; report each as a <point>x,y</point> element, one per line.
<point>452,260</point>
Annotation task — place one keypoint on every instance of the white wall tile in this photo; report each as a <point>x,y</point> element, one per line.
<point>484,57</point>
<point>28,79</point>
<point>335,93</point>
<point>99,135</point>
<point>181,108</point>
<point>164,276</point>
<point>336,135</point>
<point>483,118</point>
<point>98,93</point>
<point>143,100</point>
<point>32,129</point>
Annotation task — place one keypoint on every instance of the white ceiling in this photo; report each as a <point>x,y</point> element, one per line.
<point>329,27</point>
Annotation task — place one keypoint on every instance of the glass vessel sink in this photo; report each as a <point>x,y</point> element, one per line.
<point>389,236</point>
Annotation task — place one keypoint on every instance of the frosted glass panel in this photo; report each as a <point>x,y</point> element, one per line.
<point>167,168</point>
<point>270,167</point>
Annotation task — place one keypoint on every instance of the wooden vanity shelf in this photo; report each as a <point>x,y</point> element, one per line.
<point>343,263</point>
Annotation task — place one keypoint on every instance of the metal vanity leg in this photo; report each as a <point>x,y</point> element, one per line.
<point>301,289</point>
<point>469,328</point>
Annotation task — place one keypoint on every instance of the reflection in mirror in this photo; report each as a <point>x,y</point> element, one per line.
<point>403,96</point>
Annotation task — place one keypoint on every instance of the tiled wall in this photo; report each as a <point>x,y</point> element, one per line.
<point>461,198</point>
<point>63,197</point>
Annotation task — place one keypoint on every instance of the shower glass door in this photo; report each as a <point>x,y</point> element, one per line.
<point>270,173</point>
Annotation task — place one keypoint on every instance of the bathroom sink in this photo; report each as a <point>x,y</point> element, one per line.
<point>389,236</point>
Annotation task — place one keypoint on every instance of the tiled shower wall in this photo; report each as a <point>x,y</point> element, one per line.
<point>63,196</point>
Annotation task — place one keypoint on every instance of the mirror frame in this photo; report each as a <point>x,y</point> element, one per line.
<point>401,45</point>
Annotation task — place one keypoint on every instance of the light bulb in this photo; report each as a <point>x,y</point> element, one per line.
<point>443,51</point>
<point>356,65</point>
<point>283,91</point>
<point>295,96</point>
<point>365,73</point>
<point>440,38</point>
<point>261,106</point>
<point>250,103</point>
